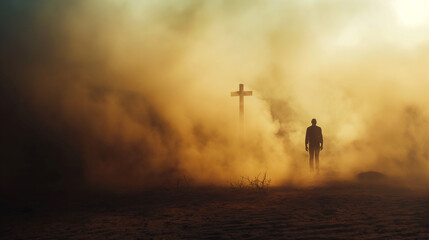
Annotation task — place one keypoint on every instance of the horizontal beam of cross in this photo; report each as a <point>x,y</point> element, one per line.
<point>241,92</point>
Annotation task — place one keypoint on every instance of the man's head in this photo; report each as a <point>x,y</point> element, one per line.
<point>313,121</point>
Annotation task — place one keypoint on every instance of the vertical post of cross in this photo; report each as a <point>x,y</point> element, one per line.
<point>241,104</point>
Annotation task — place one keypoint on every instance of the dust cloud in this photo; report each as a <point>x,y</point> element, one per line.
<point>130,94</point>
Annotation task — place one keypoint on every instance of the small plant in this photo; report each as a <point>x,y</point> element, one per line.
<point>182,184</point>
<point>239,185</point>
<point>258,183</point>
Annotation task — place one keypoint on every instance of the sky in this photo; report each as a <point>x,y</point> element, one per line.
<point>119,94</point>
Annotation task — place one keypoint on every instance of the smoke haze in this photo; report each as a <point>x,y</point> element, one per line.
<point>130,94</point>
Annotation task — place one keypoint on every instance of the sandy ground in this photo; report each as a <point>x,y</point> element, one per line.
<point>334,211</point>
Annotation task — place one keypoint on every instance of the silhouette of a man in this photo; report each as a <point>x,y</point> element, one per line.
<point>314,139</point>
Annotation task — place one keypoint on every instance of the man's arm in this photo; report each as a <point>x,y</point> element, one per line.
<point>306,140</point>
<point>321,139</point>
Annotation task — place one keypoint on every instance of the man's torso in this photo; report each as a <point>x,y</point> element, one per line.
<point>314,135</point>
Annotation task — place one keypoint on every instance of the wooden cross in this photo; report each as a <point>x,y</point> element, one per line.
<point>241,93</point>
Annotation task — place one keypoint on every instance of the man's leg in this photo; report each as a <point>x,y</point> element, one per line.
<point>311,151</point>
<point>316,153</point>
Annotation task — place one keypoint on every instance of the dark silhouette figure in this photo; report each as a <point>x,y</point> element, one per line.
<point>314,139</point>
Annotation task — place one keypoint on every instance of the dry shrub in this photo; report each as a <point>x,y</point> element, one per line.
<point>258,183</point>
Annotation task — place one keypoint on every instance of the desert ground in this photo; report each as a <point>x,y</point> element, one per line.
<point>337,210</point>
